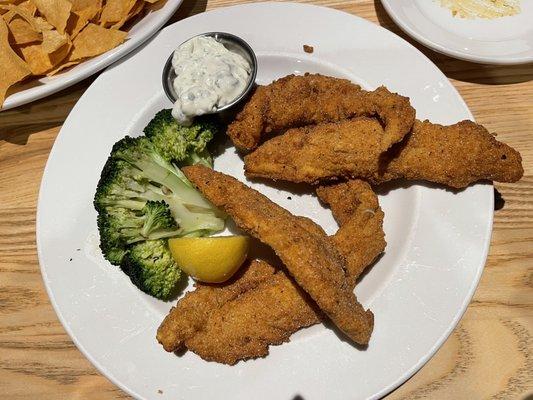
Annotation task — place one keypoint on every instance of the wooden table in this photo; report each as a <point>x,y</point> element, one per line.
<point>489,354</point>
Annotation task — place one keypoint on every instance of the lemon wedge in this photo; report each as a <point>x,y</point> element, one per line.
<point>209,259</point>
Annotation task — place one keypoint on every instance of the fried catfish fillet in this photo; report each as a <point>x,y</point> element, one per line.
<point>303,247</point>
<point>214,320</point>
<point>455,155</point>
<point>295,101</point>
<point>231,322</point>
<point>360,238</point>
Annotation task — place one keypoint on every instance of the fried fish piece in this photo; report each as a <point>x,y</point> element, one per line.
<point>262,306</point>
<point>302,246</point>
<point>240,319</point>
<point>360,238</point>
<point>295,101</point>
<point>192,311</point>
<point>455,155</point>
<point>246,326</point>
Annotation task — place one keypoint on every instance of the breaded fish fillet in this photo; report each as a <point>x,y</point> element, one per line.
<point>455,155</point>
<point>360,238</point>
<point>295,101</point>
<point>227,323</point>
<point>262,306</point>
<point>302,246</point>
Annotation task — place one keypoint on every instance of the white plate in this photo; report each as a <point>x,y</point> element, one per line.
<point>137,35</point>
<point>437,240</point>
<point>506,40</point>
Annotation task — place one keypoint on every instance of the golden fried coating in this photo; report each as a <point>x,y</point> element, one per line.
<point>193,310</point>
<point>247,326</point>
<point>455,155</point>
<point>262,306</point>
<point>360,238</point>
<point>315,153</point>
<point>295,101</point>
<point>307,253</point>
<point>240,319</point>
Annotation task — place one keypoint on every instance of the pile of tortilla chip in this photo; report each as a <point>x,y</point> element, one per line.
<point>43,37</point>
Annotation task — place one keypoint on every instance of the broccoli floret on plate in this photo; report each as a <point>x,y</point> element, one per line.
<point>151,268</point>
<point>121,226</point>
<point>179,144</point>
<point>143,198</point>
<point>136,174</point>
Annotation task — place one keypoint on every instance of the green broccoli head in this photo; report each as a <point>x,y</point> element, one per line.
<point>137,173</point>
<point>142,198</point>
<point>178,144</point>
<point>120,185</point>
<point>112,243</point>
<point>141,153</point>
<point>151,268</point>
<point>157,217</point>
<point>119,227</point>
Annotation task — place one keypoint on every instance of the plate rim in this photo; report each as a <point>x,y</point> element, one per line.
<point>461,55</point>
<point>385,390</point>
<point>31,94</point>
<point>464,307</point>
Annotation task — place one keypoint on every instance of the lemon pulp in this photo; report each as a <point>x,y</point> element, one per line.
<point>209,259</point>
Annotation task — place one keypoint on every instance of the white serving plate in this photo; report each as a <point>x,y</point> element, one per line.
<point>506,40</point>
<point>437,239</point>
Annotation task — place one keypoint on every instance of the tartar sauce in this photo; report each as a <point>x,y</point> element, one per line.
<point>208,76</point>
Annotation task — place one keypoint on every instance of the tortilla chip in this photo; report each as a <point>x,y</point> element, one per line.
<point>52,35</point>
<point>63,66</point>
<point>61,54</point>
<point>17,10</point>
<point>22,32</point>
<point>14,69</point>
<point>78,20</point>
<point>39,59</point>
<point>7,14</point>
<point>42,25</point>
<point>90,12</point>
<point>29,7</point>
<point>41,62</point>
<point>75,24</point>
<point>56,12</point>
<point>4,6</point>
<point>94,40</point>
<point>78,5</point>
<point>89,9</point>
<point>137,8</point>
<point>53,40</point>
<point>115,11</point>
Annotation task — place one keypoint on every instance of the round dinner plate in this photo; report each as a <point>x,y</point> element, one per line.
<point>137,35</point>
<point>437,239</point>
<point>506,40</point>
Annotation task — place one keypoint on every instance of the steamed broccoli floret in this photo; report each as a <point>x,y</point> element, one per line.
<point>143,198</point>
<point>151,268</point>
<point>139,193</point>
<point>178,144</point>
<point>136,173</point>
<point>119,227</point>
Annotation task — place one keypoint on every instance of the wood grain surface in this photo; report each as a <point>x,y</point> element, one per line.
<point>488,356</point>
